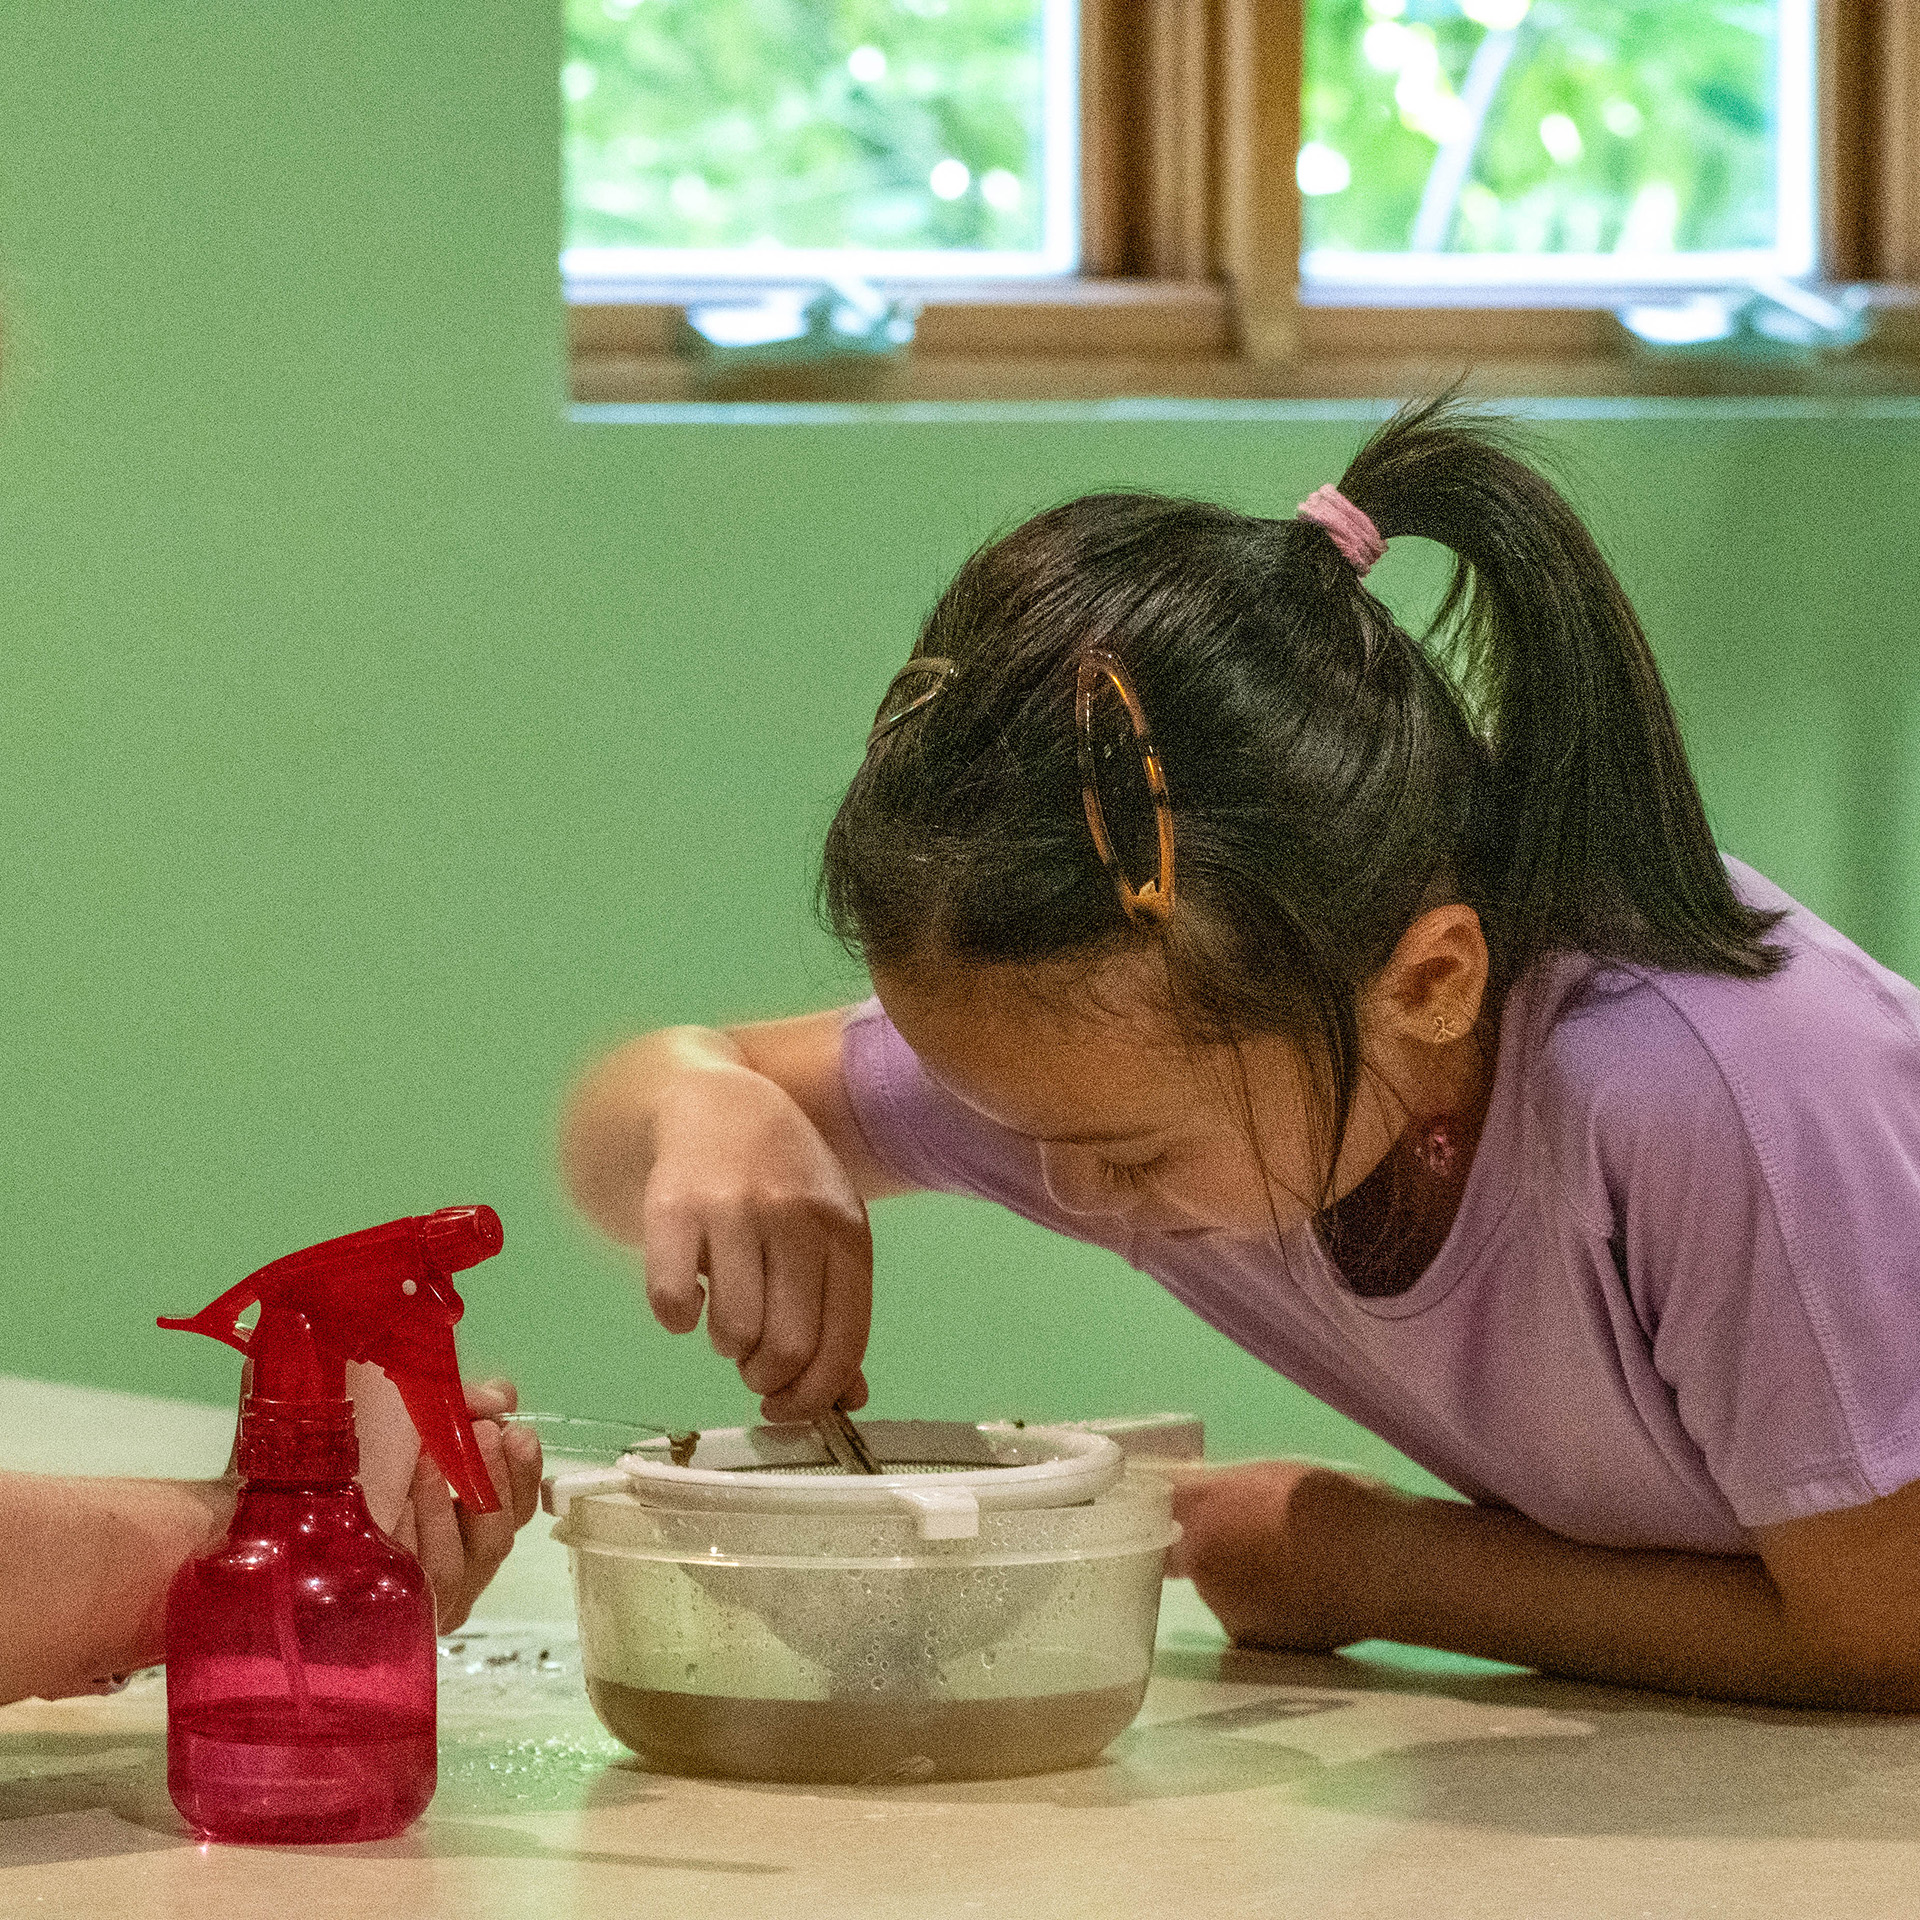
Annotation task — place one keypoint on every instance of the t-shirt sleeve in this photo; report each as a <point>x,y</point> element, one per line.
<point>919,1131</point>
<point>1761,1148</point>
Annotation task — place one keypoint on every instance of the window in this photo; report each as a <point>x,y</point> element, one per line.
<point>734,139</point>
<point>1556,143</point>
<point>1235,197</point>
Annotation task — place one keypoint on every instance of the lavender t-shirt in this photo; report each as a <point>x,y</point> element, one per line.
<point>1681,1297</point>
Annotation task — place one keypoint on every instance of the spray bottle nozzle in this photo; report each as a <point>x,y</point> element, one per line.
<point>386,1295</point>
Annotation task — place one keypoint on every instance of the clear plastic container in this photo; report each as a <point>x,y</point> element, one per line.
<point>848,1646</point>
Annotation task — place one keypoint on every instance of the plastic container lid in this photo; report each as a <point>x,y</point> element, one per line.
<point>943,1473</point>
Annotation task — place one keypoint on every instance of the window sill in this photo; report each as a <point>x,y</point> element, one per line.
<point>1095,339</point>
<point>1155,319</point>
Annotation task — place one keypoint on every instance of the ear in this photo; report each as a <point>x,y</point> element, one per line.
<point>1432,990</point>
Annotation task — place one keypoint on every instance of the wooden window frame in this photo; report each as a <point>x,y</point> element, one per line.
<point>1188,286</point>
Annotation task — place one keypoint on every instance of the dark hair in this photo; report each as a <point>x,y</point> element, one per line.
<point>1330,776</point>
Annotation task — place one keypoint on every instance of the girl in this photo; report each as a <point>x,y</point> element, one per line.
<point>1391,1006</point>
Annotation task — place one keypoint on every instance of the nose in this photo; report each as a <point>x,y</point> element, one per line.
<point>1071,1176</point>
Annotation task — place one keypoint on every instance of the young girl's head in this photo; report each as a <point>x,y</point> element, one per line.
<point>1340,847</point>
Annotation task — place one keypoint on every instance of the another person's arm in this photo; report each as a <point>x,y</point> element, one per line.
<point>1827,1614</point>
<point>736,1157</point>
<point>84,1573</point>
<point>85,1562</point>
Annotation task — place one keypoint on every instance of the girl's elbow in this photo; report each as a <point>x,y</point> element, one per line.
<point>1868,1674</point>
<point>1890,1684</point>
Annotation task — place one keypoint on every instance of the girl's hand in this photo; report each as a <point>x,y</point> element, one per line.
<point>409,1496</point>
<point>745,1191</point>
<point>1279,1550</point>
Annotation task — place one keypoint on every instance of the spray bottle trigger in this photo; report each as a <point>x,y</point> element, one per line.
<point>445,1427</point>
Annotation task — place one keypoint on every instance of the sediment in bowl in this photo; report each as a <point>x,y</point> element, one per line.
<point>852,1742</point>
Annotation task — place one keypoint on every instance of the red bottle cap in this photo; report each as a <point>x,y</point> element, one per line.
<point>296,1423</point>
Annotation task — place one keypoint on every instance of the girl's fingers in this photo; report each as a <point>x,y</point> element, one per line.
<point>831,1374</point>
<point>672,1256</point>
<point>737,1286</point>
<point>389,1446</point>
<point>491,1438</point>
<point>459,1549</point>
<point>1188,1478</point>
<point>790,1330</point>
<point>1192,1483</point>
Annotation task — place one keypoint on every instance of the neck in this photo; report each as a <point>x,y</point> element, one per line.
<point>1385,1233</point>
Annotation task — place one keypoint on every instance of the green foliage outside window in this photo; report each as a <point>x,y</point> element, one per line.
<point>803,123</point>
<point>1631,125</point>
<point>1476,126</point>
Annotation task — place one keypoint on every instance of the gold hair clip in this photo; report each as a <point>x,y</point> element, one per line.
<point>1150,903</point>
<point>891,714</point>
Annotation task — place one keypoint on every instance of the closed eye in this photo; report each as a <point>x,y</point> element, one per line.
<point>1127,1174</point>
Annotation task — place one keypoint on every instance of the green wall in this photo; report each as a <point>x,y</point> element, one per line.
<point>376,743</point>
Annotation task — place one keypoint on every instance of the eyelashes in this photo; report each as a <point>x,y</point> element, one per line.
<point>1126,1175</point>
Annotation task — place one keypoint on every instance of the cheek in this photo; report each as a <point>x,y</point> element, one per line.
<point>1226,1182</point>
<point>1071,1177</point>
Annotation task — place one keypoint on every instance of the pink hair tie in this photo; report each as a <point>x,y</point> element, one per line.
<point>1346,526</point>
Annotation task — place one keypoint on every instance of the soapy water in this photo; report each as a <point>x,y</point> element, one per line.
<point>493,1679</point>
<point>492,1772</point>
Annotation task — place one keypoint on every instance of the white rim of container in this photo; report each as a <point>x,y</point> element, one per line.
<point>1143,1546</point>
<point>945,1506</point>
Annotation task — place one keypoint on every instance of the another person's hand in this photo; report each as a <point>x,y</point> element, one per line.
<point>1280,1550</point>
<point>746,1191</point>
<point>408,1495</point>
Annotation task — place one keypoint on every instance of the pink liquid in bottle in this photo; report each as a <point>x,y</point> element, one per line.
<point>300,1675</point>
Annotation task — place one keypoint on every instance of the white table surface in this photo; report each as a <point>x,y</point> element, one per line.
<point>1355,1788</point>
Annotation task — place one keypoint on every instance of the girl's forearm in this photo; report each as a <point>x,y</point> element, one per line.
<point>607,1138</point>
<point>1479,1581</point>
<point>85,1570</point>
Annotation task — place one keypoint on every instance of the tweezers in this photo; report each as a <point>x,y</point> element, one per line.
<point>842,1439</point>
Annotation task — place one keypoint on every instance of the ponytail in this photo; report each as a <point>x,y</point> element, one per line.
<point>1591,833</point>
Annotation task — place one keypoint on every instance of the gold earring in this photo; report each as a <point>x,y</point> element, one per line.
<point>1442,1029</point>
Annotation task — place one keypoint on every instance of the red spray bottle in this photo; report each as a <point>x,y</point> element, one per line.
<point>300,1651</point>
